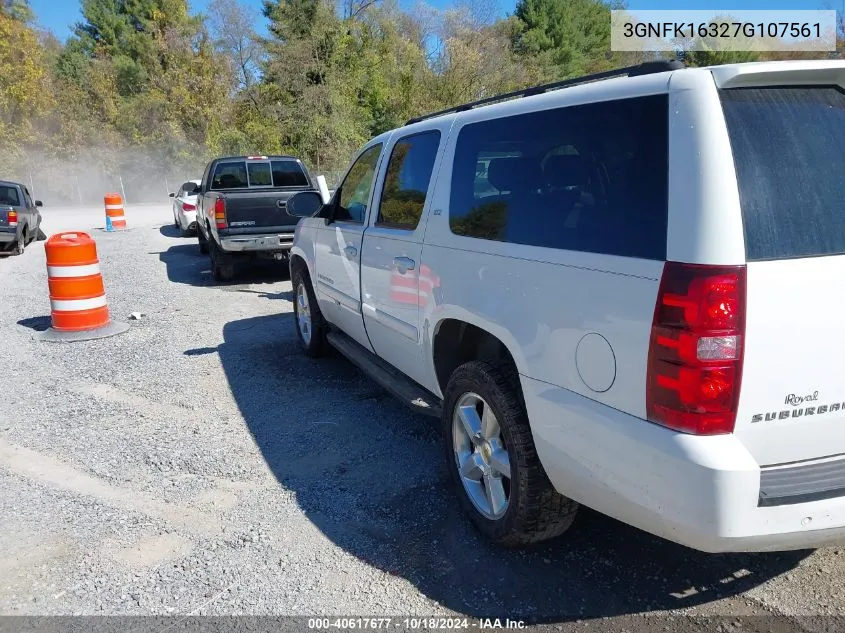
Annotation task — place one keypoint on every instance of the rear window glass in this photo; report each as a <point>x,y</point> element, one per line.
<point>9,196</point>
<point>277,173</point>
<point>787,145</point>
<point>229,176</point>
<point>259,175</point>
<point>288,173</point>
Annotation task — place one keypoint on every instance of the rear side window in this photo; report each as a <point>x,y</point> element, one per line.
<point>288,173</point>
<point>787,146</point>
<point>9,196</point>
<point>590,178</point>
<point>229,176</point>
<point>407,179</point>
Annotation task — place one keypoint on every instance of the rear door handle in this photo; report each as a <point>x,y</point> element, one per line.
<point>351,251</point>
<point>404,264</point>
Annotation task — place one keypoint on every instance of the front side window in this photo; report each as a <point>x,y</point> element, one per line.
<point>353,195</point>
<point>590,178</point>
<point>406,181</point>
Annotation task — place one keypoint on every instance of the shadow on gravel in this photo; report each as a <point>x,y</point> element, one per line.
<point>369,474</point>
<point>170,230</point>
<point>39,324</point>
<point>186,265</point>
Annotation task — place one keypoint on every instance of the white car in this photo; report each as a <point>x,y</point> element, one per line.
<point>622,291</point>
<point>185,207</point>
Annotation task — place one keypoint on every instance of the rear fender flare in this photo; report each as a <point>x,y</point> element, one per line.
<point>453,312</point>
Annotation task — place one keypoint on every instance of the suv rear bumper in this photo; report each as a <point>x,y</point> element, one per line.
<point>702,492</point>
<point>8,235</point>
<point>277,242</point>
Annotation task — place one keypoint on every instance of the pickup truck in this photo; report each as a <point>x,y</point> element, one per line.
<point>242,209</point>
<point>20,219</point>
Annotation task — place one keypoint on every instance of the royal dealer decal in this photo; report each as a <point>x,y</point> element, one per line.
<point>802,406</point>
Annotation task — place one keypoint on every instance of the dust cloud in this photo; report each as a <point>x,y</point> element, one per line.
<point>140,176</point>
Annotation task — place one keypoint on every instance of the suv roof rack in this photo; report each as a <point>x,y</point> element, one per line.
<point>646,68</point>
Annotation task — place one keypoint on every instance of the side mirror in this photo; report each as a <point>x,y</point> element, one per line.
<point>304,204</point>
<point>38,203</point>
<point>172,195</point>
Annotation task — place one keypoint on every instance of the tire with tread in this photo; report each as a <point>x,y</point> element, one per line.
<point>536,511</point>
<point>318,345</point>
<point>222,266</point>
<point>20,243</point>
<point>203,243</point>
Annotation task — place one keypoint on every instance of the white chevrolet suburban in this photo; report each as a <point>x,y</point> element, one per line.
<point>618,291</point>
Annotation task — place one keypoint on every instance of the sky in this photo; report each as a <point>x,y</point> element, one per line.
<point>60,15</point>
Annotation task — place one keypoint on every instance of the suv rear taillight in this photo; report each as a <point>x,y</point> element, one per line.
<point>695,352</point>
<point>186,206</point>
<point>12,217</point>
<point>220,213</point>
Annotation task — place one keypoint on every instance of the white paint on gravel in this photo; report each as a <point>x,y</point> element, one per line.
<point>199,463</point>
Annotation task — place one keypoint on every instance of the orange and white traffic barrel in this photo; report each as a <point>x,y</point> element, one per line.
<point>78,306</point>
<point>115,217</point>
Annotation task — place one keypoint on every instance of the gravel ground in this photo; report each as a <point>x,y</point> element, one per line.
<point>199,464</point>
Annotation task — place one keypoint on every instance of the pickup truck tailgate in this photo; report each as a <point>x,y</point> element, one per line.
<point>4,216</point>
<point>265,211</point>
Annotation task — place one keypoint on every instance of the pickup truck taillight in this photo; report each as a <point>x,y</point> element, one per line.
<point>12,217</point>
<point>220,213</point>
<point>695,352</point>
<point>188,207</point>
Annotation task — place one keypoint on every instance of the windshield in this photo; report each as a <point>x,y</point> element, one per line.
<point>787,147</point>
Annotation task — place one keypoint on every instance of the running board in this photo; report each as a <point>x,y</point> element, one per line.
<point>409,392</point>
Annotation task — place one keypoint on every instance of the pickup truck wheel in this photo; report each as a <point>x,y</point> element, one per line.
<point>203,243</point>
<point>310,325</point>
<point>222,266</point>
<point>20,244</point>
<point>492,459</point>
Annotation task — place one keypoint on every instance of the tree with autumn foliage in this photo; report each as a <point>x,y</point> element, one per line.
<point>149,91</point>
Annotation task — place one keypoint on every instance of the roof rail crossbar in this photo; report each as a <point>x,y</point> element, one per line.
<point>646,68</point>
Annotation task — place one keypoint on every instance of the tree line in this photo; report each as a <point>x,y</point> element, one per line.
<point>150,80</point>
